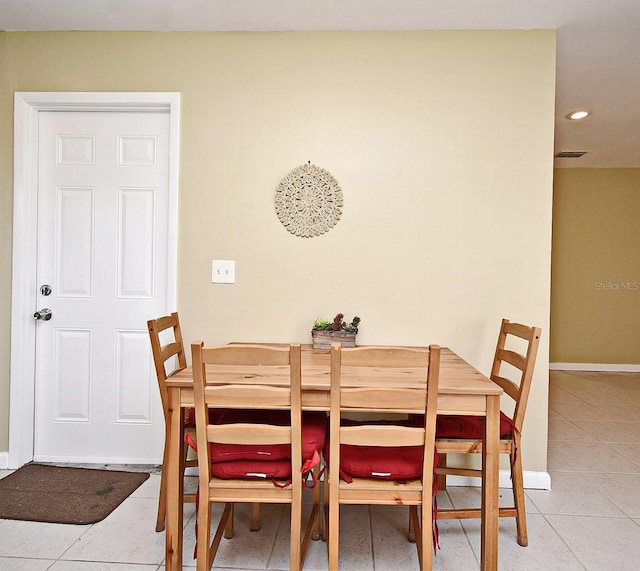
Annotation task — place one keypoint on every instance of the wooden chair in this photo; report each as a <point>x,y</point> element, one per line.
<point>381,444</point>
<point>169,357</point>
<point>512,369</point>
<point>281,481</point>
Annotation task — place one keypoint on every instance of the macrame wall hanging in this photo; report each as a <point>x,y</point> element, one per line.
<point>308,201</point>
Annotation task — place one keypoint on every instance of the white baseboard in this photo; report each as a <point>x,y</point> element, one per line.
<point>532,480</point>
<point>4,460</point>
<point>603,367</point>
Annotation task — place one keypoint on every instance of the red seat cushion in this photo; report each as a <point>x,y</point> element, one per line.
<point>401,463</point>
<point>381,462</point>
<point>314,428</point>
<point>460,426</point>
<point>269,461</point>
<point>258,469</point>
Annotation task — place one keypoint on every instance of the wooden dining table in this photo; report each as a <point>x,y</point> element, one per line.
<point>462,390</point>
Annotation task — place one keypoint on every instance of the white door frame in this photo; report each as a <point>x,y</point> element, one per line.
<point>27,108</point>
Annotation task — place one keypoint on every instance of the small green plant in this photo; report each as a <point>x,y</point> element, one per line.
<point>338,324</point>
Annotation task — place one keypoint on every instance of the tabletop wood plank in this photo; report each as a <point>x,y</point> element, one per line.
<point>456,375</point>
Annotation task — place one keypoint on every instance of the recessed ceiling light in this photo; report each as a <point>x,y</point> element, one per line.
<point>576,115</point>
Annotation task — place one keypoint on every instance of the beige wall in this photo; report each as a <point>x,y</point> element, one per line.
<point>441,141</point>
<point>596,266</point>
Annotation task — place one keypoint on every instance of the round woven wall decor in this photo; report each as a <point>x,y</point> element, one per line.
<point>308,201</point>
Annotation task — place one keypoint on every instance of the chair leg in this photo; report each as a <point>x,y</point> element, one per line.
<point>519,499</point>
<point>228,528</point>
<point>295,548</point>
<point>411,534</point>
<point>255,517</point>
<point>212,548</point>
<point>162,503</point>
<point>162,496</point>
<point>203,549</point>
<point>426,536</point>
<point>311,525</point>
<point>413,526</point>
<point>334,533</point>
<point>325,510</point>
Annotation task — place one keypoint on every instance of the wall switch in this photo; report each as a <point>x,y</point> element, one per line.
<point>223,271</point>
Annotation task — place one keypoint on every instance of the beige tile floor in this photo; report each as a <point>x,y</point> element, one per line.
<point>589,520</point>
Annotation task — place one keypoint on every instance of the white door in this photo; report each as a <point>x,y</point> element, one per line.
<point>102,239</point>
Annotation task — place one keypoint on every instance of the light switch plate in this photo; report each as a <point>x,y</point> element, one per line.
<point>223,271</point>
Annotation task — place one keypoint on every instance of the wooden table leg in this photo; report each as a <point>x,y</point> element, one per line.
<point>490,491</point>
<point>175,483</point>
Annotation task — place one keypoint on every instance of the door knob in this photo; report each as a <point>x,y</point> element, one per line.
<point>44,314</point>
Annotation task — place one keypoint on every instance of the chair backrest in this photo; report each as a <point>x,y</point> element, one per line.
<point>167,348</point>
<point>248,377</point>
<point>513,364</point>
<point>348,394</point>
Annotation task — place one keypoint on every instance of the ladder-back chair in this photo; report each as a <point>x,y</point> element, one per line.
<point>383,462</point>
<point>512,369</point>
<point>167,348</point>
<point>264,378</point>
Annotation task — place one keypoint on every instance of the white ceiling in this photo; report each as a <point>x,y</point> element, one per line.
<point>598,61</point>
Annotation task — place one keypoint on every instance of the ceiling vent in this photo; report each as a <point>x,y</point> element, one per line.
<point>570,154</point>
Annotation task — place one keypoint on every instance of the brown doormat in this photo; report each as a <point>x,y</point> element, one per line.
<point>56,494</point>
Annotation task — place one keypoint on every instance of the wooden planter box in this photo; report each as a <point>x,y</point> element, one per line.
<point>324,339</point>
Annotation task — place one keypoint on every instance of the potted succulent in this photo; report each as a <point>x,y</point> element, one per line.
<point>325,332</point>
